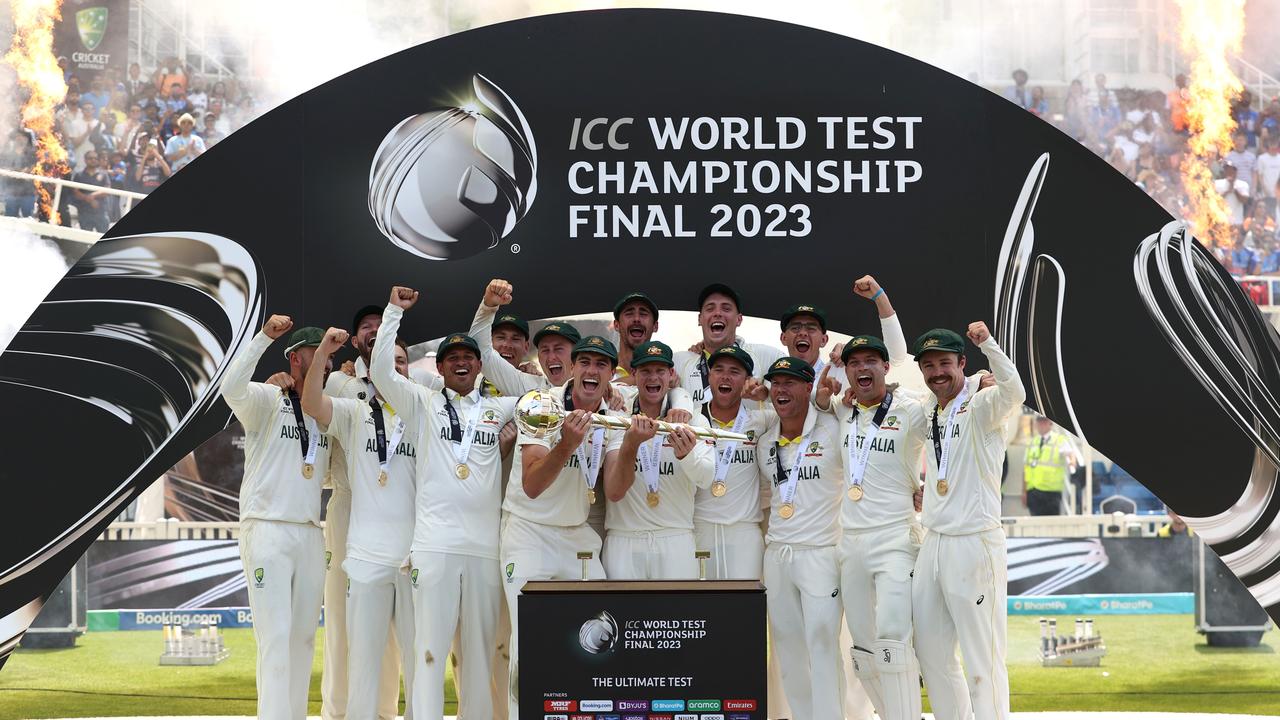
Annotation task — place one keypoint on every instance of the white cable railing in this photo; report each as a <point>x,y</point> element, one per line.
<point>127,199</point>
<point>1256,80</point>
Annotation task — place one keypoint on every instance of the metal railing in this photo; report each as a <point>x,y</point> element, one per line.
<point>127,199</point>
<point>171,530</point>
<point>1272,297</point>
<point>1257,81</point>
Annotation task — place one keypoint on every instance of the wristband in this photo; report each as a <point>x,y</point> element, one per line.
<point>878,294</point>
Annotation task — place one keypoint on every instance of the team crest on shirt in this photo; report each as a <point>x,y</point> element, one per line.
<point>815,448</point>
<point>348,587</point>
<point>964,406</point>
<point>413,577</point>
<point>490,417</point>
<point>510,570</point>
<point>258,575</point>
<point>891,423</point>
<point>328,558</point>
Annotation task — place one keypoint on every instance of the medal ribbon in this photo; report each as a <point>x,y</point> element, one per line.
<point>858,457</point>
<point>704,371</point>
<point>942,445</point>
<point>380,433</point>
<point>790,480</point>
<point>650,452</point>
<point>308,433</point>
<point>726,456</point>
<point>590,470</point>
<point>462,437</point>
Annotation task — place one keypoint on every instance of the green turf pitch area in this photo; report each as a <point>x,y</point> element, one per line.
<point>1155,663</point>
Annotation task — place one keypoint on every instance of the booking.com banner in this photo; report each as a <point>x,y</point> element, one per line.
<point>229,617</point>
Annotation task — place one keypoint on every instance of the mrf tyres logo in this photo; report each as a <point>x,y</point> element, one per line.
<point>451,182</point>
<point>599,634</point>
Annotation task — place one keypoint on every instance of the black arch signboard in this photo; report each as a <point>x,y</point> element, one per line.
<point>463,150</point>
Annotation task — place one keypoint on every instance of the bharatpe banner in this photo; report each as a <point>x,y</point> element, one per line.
<point>584,155</point>
<point>656,647</point>
<point>93,35</point>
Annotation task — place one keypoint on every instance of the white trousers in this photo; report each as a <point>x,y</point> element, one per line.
<point>379,601</point>
<point>875,581</point>
<point>737,551</point>
<point>803,589</point>
<point>501,665</point>
<point>333,681</point>
<point>532,551</point>
<point>652,555</point>
<point>284,566</point>
<point>445,583</point>
<point>958,595</point>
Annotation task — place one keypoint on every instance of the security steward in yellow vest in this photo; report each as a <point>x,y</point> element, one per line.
<point>1046,469</point>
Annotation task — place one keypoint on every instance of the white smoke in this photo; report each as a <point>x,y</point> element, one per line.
<point>32,266</point>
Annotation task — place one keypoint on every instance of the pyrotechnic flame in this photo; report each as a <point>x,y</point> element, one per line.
<point>1210,30</point>
<point>31,56</point>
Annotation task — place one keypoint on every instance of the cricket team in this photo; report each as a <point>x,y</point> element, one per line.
<point>443,507</point>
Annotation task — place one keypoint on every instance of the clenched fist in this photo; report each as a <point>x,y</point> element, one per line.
<point>978,332</point>
<point>403,297</point>
<point>334,338</point>
<point>866,286</point>
<point>497,294</point>
<point>277,325</point>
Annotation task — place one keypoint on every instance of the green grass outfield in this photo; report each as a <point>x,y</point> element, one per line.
<point>1155,663</point>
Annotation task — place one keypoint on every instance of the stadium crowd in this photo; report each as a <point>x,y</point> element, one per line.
<point>128,133</point>
<point>1143,134</point>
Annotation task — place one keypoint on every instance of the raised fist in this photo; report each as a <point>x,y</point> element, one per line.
<point>277,325</point>
<point>866,286</point>
<point>334,338</point>
<point>978,332</point>
<point>497,294</point>
<point>403,297</point>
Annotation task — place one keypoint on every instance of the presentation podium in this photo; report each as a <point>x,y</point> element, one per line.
<point>642,649</point>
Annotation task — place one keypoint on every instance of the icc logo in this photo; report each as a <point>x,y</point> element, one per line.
<point>599,634</point>
<point>451,182</point>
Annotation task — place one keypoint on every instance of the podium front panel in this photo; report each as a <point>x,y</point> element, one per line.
<point>642,649</point>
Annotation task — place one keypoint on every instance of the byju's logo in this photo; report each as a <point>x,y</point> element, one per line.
<point>599,634</point>
<point>451,182</point>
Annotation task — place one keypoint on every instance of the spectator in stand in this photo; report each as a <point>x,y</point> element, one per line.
<point>151,113</point>
<point>1100,91</point>
<point>1246,118</point>
<point>147,97</point>
<point>219,92</point>
<point>184,147</point>
<point>105,138</point>
<point>1270,264</point>
<point>1244,159</point>
<point>135,82</point>
<point>1039,106</point>
<point>1177,103</point>
<point>1259,227</point>
<point>210,131</point>
<point>198,98</point>
<point>1236,193</point>
<point>119,105</point>
<point>92,205</point>
<point>1175,527</point>
<point>1269,122</point>
<point>1104,119</point>
<point>98,95</point>
<point>65,66</point>
<point>1268,170</point>
<point>76,129</point>
<point>137,148</point>
<point>223,123</point>
<point>19,195</point>
<point>1019,94</point>
<point>1076,112</point>
<point>152,168</point>
<point>1244,261</point>
<point>129,127</point>
<point>176,102</point>
<point>168,75</point>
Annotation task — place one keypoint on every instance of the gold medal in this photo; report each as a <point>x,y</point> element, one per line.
<point>855,493</point>
<point>462,471</point>
<point>786,511</point>
<point>653,499</point>
<point>718,488</point>
<point>382,478</point>
<point>942,487</point>
<point>308,470</point>
<point>591,496</point>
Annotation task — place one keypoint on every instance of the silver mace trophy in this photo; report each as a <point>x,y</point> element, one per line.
<point>539,413</point>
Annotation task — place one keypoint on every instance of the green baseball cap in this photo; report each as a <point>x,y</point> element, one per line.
<point>652,351</point>
<point>813,310</point>
<point>864,342</point>
<point>514,321</point>
<point>634,297</point>
<point>457,340</point>
<point>792,366</point>
<point>735,353</point>
<point>304,337</point>
<point>938,339</point>
<point>719,289</point>
<point>563,329</point>
<point>595,344</point>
